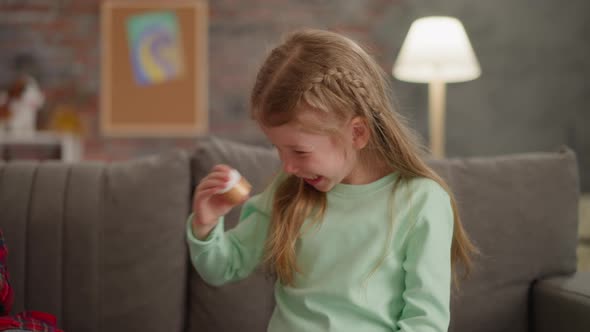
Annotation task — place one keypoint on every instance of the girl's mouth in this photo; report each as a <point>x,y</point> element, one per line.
<point>313,181</point>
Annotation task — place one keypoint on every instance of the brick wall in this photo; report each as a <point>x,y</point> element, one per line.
<point>57,41</point>
<point>532,95</point>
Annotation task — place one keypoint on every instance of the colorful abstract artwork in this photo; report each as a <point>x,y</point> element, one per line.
<point>155,47</point>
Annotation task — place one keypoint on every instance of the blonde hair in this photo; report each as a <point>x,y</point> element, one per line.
<point>332,75</point>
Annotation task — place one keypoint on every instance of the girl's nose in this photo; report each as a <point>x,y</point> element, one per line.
<point>289,167</point>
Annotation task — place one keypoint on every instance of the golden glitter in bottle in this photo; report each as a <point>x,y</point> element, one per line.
<point>237,188</point>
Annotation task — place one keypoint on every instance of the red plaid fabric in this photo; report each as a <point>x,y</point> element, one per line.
<point>30,320</point>
<point>6,294</point>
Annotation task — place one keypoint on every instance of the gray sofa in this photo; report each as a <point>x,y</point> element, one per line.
<point>102,245</point>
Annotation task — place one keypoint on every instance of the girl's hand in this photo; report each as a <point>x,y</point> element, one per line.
<point>208,207</point>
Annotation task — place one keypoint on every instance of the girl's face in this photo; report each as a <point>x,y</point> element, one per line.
<point>322,160</point>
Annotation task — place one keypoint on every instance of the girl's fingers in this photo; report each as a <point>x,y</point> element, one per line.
<point>205,194</point>
<point>215,178</point>
<point>214,182</point>
<point>216,175</point>
<point>211,183</point>
<point>222,168</point>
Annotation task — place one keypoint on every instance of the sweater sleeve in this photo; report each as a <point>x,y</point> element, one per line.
<point>232,255</point>
<point>427,266</point>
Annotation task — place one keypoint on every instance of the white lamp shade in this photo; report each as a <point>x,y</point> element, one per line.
<point>436,48</point>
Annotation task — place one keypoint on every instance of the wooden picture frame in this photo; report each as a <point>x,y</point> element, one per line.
<point>154,68</point>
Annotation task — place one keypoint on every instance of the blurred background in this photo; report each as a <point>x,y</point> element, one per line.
<point>533,93</point>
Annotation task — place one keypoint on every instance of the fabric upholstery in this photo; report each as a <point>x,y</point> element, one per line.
<point>562,303</point>
<point>521,212</point>
<point>99,245</point>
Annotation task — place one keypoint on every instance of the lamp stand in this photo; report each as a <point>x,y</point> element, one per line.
<point>436,120</point>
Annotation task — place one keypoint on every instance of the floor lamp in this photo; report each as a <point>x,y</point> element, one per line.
<point>436,51</point>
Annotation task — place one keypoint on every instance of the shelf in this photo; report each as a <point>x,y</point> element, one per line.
<point>69,146</point>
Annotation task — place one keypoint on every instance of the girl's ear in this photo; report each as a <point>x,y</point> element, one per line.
<point>360,132</point>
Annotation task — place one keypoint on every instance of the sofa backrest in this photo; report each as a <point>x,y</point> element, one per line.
<point>102,245</point>
<point>99,245</point>
<point>520,210</point>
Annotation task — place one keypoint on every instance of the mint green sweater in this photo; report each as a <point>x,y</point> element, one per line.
<point>377,262</point>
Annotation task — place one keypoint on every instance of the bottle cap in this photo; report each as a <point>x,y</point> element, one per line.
<point>234,178</point>
<point>237,188</point>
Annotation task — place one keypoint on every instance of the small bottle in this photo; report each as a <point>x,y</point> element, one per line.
<point>237,188</point>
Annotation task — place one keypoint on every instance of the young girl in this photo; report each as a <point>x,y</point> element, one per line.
<point>359,231</point>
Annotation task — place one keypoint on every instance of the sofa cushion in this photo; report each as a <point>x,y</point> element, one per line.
<point>245,305</point>
<point>100,245</point>
<point>521,212</point>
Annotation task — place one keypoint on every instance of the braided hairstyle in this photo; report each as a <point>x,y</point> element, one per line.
<point>329,74</point>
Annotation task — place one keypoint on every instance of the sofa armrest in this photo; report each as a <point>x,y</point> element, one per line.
<point>561,303</point>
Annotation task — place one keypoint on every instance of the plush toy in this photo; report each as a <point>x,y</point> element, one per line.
<point>20,104</point>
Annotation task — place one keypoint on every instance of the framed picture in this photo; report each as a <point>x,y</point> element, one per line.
<point>154,68</point>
